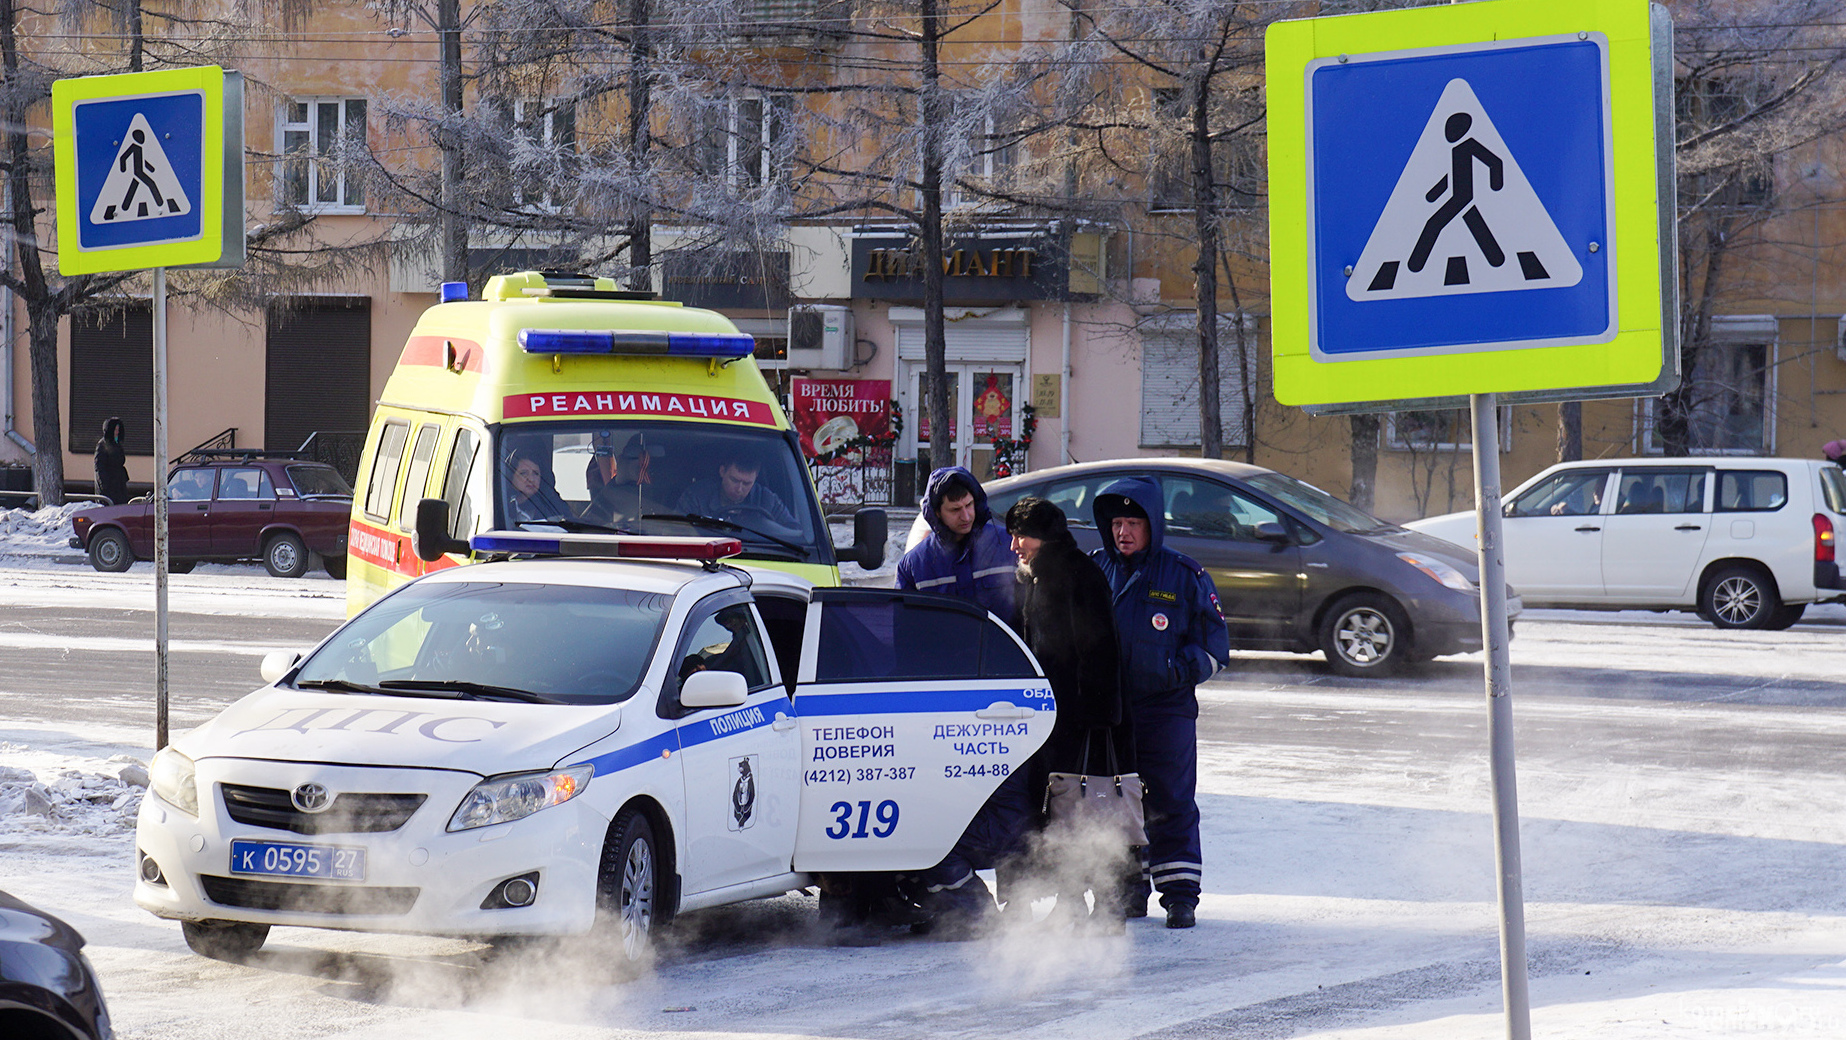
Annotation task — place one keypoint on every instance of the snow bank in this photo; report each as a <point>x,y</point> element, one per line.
<point>59,801</point>
<point>42,532</point>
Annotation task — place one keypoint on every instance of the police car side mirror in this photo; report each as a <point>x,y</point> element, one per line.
<point>277,664</point>
<point>1270,531</point>
<point>870,529</point>
<point>429,537</point>
<point>713,690</point>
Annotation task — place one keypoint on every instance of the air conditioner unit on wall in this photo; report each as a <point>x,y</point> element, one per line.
<point>819,336</point>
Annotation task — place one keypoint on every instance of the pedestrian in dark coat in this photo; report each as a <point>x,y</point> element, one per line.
<point>1067,620</point>
<point>112,463</point>
<point>1173,637</point>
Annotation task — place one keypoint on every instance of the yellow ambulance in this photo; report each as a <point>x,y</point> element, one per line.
<point>558,402</point>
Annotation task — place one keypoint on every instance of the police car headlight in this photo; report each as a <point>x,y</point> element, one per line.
<point>1442,572</point>
<point>515,796</point>
<point>172,777</point>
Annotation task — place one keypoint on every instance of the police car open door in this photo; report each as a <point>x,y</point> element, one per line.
<point>913,708</point>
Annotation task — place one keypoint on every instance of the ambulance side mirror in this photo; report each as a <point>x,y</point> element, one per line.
<point>429,538</point>
<point>713,690</point>
<point>870,529</point>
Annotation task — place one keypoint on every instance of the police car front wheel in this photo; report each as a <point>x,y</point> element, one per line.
<point>629,883</point>
<point>1365,634</point>
<point>232,941</point>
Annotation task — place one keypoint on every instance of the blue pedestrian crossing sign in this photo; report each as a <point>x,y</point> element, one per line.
<point>1474,210</point>
<point>143,162</point>
<point>1467,199</point>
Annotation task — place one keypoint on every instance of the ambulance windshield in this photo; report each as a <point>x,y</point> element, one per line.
<point>563,644</point>
<point>651,477</point>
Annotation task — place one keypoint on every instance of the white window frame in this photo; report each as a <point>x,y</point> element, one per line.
<point>549,109</point>
<point>986,161</point>
<point>314,161</point>
<point>1727,331</point>
<point>775,113</point>
<point>1394,441</point>
<point>1182,329</point>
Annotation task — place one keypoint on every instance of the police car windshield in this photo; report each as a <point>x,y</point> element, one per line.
<point>1318,505</point>
<point>565,643</point>
<point>653,477</point>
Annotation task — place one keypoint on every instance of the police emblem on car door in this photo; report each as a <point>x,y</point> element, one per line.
<point>913,708</point>
<point>738,762</point>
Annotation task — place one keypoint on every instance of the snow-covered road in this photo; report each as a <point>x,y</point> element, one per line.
<point>1684,852</point>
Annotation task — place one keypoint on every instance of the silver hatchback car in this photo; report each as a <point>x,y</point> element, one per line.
<point>1296,568</point>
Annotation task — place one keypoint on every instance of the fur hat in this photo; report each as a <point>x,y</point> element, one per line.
<point>1833,449</point>
<point>1037,518</point>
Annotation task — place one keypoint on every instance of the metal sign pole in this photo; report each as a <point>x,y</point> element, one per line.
<point>160,508</point>
<point>1495,637</point>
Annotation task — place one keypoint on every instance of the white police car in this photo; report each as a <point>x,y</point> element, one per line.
<point>524,747</point>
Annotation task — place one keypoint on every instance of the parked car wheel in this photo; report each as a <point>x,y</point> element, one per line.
<point>1785,616</point>
<point>285,556</point>
<point>232,941</point>
<point>1740,597</point>
<point>1365,634</point>
<point>109,551</point>
<point>630,884</point>
<point>335,566</point>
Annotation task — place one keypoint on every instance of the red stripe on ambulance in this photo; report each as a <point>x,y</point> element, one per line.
<point>624,402</point>
<point>389,550</point>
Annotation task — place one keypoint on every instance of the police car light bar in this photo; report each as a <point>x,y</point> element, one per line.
<point>619,546</point>
<point>610,341</point>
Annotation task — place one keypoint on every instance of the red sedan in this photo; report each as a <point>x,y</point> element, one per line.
<point>244,506</point>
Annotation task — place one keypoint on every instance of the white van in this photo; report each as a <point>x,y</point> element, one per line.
<point>1745,542</point>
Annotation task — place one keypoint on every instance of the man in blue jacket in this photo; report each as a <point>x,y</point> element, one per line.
<point>1173,638</point>
<point>967,553</point>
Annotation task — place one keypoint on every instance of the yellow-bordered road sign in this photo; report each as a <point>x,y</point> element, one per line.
<point>140,169</point>
<point>1466,199</point>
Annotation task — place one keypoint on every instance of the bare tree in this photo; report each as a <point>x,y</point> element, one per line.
<point>1755,83</point>
<point>1201,135</point>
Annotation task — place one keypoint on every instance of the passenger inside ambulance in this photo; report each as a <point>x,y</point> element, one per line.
<point>620,481</point>
<point>532,498</point>
<point>721,480</point>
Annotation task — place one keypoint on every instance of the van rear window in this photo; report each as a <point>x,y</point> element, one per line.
<point>1833,488</point>
<point>1751,491</point>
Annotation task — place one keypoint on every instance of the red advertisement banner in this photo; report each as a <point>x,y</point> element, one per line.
<point>830,413</point>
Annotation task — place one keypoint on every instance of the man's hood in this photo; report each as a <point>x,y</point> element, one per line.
<point>1109,505</point>
<point>933,492</point>
<point>478,736</point>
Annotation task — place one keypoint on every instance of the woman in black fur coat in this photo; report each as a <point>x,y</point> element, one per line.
<point>1067,619</point>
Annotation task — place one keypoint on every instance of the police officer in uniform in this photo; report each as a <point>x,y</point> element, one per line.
<point>1173,637</point>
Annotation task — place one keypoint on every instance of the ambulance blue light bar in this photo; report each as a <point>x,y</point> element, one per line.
<point>611,341</point>
<point>617,546</point>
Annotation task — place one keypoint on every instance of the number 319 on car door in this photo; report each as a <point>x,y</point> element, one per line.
<point>914,708</point>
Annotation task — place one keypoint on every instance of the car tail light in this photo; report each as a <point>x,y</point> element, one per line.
<point>1823,539</point>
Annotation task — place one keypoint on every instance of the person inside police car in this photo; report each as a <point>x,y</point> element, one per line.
<point>620,480</point>
<point>1173,637</point>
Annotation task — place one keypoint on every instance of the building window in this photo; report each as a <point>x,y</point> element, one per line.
<point>545,142</point>
<point>1239,168</point>
<point>1440,429</point>
<point>1731,392</point>
<point>985,157</point>
<point>744,141</point>
<point>112,374</point>
<point>322,141</point>
<point>1170,386</point>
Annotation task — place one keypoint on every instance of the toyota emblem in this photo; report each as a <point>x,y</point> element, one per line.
<point>310,798</point>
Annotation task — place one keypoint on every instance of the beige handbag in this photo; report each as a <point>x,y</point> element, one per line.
<point>1099,802</point>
